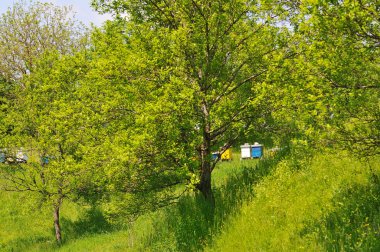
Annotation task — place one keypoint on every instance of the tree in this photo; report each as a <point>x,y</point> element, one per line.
<point>53,129</point>
<point>35,119</point>
<point>27,30</point>
<point>343,49</point>
<point>201,58</point>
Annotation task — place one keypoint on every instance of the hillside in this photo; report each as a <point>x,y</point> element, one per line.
<point>330,204</point>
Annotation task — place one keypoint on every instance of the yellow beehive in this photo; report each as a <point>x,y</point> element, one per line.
<point>227,155</point>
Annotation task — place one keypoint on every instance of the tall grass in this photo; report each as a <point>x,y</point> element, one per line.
<point>354,222</point>
<point>186,226</point>
<point>331,205</point>
<point>192,223</point>
<point>20,223</point>
<point>27,226</point>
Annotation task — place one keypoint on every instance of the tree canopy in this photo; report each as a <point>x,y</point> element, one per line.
<point>28,29</point>
<point>206,57</point>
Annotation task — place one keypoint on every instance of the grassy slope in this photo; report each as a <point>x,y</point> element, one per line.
<point>331,205</point>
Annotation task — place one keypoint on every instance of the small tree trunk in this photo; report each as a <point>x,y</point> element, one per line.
<point>57,226</point>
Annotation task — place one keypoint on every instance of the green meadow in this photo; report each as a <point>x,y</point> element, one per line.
<point>332,203</point>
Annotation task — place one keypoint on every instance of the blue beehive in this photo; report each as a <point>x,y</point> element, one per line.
<point>45,160</point>
<point>257,150</point>
<point>215,155</point>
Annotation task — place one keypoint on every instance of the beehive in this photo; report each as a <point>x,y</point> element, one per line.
<point>227,155</point>
<point>245,151</point>
<point>257,150</point>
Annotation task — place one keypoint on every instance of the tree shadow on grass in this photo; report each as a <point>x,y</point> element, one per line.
<point>187,226</point>
<point>193,222</point>
<point>38,242</point>
<point>355,224</point>
<point>91,222</point>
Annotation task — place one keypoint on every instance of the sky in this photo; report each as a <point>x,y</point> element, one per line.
<point>82,9</point>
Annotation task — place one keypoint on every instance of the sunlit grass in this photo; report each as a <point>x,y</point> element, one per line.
<point>293,209</point>
<point>331,204</point>
<point>189,224</point>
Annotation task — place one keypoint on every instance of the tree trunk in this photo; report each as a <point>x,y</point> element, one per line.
<point>57,226</point>
<point>205,182</point>
<point>205,155</point>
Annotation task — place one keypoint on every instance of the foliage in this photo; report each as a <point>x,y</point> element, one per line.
<point>28,30</point>
<point>343,40</point>
<point>40,153</point>
<point>140,175</point>
<point>53,129</point>
<point>201,60</point>
<point>328,93</point>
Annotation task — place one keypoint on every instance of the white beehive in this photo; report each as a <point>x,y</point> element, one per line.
<point>245,151</point>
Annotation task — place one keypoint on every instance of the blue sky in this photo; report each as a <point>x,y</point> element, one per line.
<point>82,8</point>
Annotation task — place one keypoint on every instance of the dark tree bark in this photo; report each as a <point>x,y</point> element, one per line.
<point>204,185</point>
<point>57,226</point>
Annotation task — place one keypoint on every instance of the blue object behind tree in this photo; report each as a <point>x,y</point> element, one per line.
<point>257,150</point>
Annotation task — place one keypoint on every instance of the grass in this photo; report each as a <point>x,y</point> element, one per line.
<point>16,227</point>
<point>330,203</point>
<point>187,226</point>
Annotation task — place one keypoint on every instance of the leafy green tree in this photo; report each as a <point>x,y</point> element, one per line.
<point>342,39</point>
<point>198,62</point>
<point>52,150</point>
<point>29,29</point>
<point>72,120</point>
